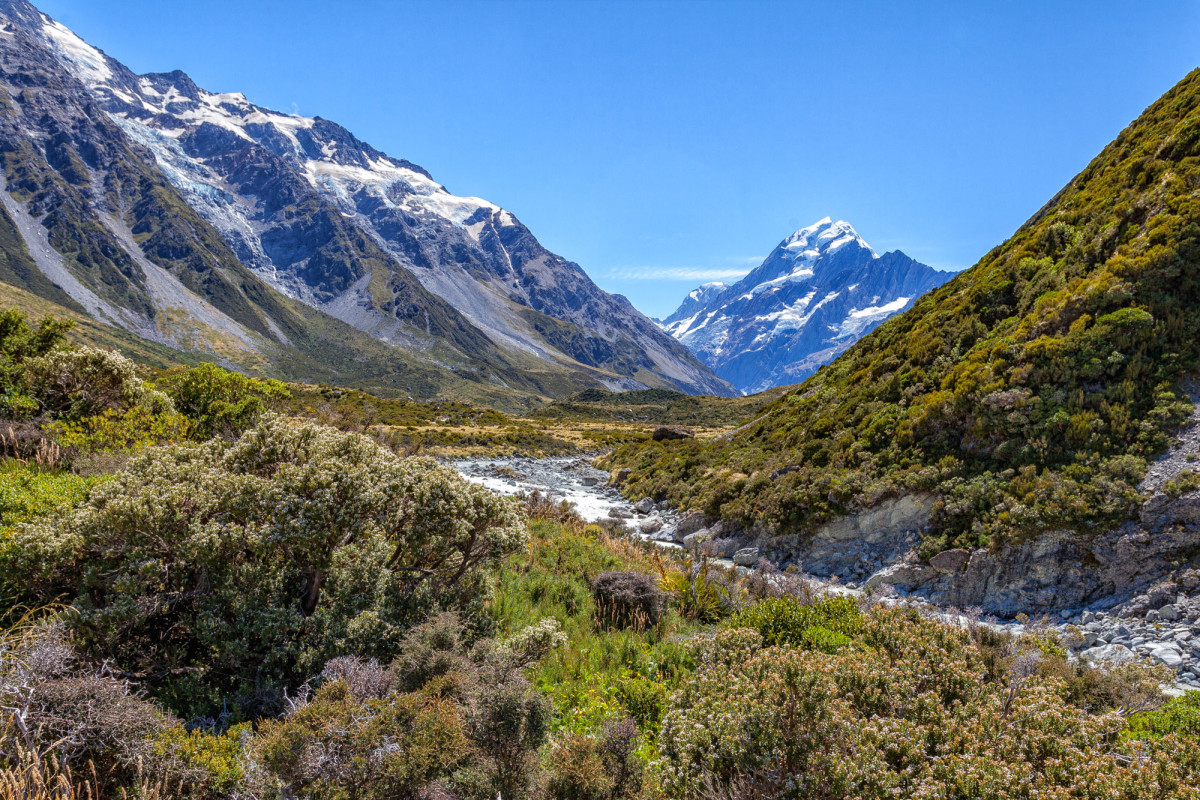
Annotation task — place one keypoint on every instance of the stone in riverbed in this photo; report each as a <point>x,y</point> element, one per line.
<point>619,476</point>
<point>746,557</point>
<point>1108,653</point>
<point>651,524</point>
<point>1168,654</point>
<point>644,506</point>
<point>691,522</point>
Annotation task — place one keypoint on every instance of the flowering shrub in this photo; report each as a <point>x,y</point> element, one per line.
<point>339,746</point>
<point>907,714</point>
<point>237,569</point>
<point>75,383</point>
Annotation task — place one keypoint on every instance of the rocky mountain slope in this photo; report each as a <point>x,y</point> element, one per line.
<point>816,294</point>
<point>991,446</point>
<point>201,220</point>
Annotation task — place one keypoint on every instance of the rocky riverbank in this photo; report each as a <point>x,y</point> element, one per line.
<point>1160,623</point>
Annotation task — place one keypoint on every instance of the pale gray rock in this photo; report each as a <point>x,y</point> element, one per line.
<point>651,524</point>
<point>746,557</point>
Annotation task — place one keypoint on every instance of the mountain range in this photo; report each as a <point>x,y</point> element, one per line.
<point>816,294</point>
<point>283,244</point>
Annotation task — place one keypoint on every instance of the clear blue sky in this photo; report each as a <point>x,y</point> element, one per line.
<point>661,144</point>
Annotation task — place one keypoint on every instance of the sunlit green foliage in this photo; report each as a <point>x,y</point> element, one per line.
<point>27,493</point>
<point>18,342</point>
<point>602,673</point>
<point>908,712</point>
<point>219,402</point>
<point>1180,716</point>
<point>1028,392</point>
<point>822,625</point>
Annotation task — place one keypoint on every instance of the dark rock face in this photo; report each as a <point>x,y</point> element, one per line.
<point>328,220</point>
<point>818,292</point>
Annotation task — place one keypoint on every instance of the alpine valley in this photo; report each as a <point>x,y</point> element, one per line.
<point>283,245</point>
<point>816,294</point>
<point>319,482</point>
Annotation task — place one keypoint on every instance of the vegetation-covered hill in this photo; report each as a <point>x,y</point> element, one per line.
<point>1028,392</point>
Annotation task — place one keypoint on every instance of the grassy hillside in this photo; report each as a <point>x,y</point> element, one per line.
<point>1027,393</point>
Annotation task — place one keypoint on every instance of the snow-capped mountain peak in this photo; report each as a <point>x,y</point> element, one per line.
<point>818,292</point>
<point>822,237</point>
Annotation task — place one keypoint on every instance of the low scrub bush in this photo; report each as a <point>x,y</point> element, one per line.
<point>908,712</point>
<point>220,402</point>
<point>627,600</point>
<point>822,624</point>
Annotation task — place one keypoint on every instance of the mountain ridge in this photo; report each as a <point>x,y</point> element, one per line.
<point>335,224</point>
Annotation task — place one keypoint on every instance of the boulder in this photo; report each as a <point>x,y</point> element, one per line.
<point>619,476</point>
<point>644,506</point>
<point>951,560</point>
<point>722,548</point>
<point>1109,654</point>
<point>1167,653</point>
<point>691,522</point>
<point>746,557</point>
<point>693,540</point>
<point>666,433</point>
<point>651,524</point>
<point>619,513</point>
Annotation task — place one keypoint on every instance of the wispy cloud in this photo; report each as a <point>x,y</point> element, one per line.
<point>677,273</point>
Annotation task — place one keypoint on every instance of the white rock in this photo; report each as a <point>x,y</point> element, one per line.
<point>1168,654</point>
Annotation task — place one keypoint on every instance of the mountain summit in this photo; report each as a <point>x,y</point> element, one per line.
<point>297,212</point>
<point>816,294</point>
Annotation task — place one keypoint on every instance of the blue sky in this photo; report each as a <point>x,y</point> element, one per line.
<point>662,144</point>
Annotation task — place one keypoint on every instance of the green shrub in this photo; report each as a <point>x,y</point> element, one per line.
<point>119,431</point>
<point>220,402</point>
<point>19,342</point>
<point>1180,716</point>
<point>206,765</point>
<point>27,493</point>
<point>823,625</point>
<point>908,713</point>
<point>236,569</point>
